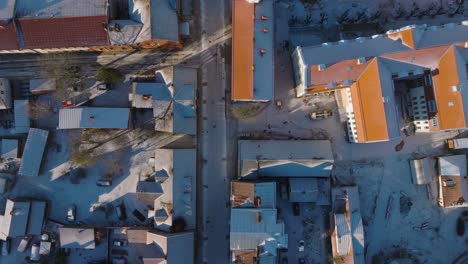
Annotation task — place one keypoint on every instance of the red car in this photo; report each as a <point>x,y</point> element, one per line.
<point>67,104</point>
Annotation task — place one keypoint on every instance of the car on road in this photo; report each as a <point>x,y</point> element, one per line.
<point>296,209</point>
<point>103,86</point>
<point>104,182</point>
<point>71,213</point>
<point>6,246</point>
<point>120,242</point>
<point>317,115</point>
<point>121,211</point>
<point>301,245</point>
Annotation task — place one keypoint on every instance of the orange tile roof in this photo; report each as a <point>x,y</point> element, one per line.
<point>243,15</point>
<point>406,36</point>
<point>8,37</point>
<point>63,32</point>
<point>428,57</point>
<point>337,72</point>
<point>369,112</point>
<point>449,103</point>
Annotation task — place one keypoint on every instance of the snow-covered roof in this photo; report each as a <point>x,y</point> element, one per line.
<point>76,238</point>
<point>251,227</point>
<point>285,158</point>
<point>60,8</point>
<point>127,34</point>
<point>9,148</point>
<point>94,117</point>
<point>22,122</point>
<point>349,230</point>
<point>164,20</point>
<point>243,194</point>
<point>7,8</point>
<point>33,152</point>
<point>178,248</point>
<point>303,190</point>
<point>422,170</point>
<point>37,86</point>
<point>5,92</point>
<point>15,220</point>
<point>453,165</point>
<point>172,98</point>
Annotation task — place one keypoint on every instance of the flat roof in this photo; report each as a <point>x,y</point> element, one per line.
<point>33,152</point>
<point>22,122</point>
<point>164,20</point>
<point>15,220</point>
<point>77,238</point>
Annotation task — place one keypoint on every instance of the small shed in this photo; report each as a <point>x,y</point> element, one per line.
<point>9,149</point>
<point>422,170</point>
<point>41,86</point>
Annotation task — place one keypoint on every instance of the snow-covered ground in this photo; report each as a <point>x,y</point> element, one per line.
<point>378,170</point>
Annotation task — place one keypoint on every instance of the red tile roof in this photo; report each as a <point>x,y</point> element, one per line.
<point>8,38</point>
<point>64,32</point>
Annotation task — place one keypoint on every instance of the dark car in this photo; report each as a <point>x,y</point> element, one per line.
<point>121,212</point>
<point>296,209</point>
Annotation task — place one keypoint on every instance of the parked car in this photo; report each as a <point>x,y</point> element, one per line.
<point>104,182</point>
<point>23,245</point>
<point>103,87</point>
<point>296,209</point>
<point>6,246</point>
<point>320,114</point>
<point>71,213</point>
<point>120,243</point>
<point>120,211</point>
<point>301,245</point>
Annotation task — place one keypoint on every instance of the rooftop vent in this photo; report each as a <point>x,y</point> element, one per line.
<point>466,44</point>
<point>465,23</point>
<point>262,52</point>
<point>321,67</point>
<point>451,104</point>
<point>264,18</point>
<point>146,96</point>
<point>91,118</point>
<point>455,88</point>
<point>265,30</point>
<point>360,39</point>
<point>361,60</point>
<point>377,36</point>
<point>386,99</point>
<point>326,44</point>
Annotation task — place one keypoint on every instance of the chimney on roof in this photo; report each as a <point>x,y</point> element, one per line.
<point>265,30</point>
<point>262,52</point>
<point>264,18</point>
<point>361,60</point>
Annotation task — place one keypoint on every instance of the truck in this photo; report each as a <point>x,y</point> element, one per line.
<point>457,143</point>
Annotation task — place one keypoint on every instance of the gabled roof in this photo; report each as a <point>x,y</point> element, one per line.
<point>243,194</point>
<point>164,20</point>
<point>8,37</point>
<point>94,117</point>
<point>33,152</point>
<point>63,32</point>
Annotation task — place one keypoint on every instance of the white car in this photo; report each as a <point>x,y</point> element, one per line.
<point>71,213</point>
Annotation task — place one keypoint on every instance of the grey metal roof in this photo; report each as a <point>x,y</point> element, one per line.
<point>247,232</point>
<point>303,190</point>
<point>180,248</point>
<point>267,193</point>
<point>94,117</point>
<point>60,8</point>
<point>452,165</point>
<point>33,152</point>
<point>41,85</point>
<point>22,122</point>
<point>15,220</point>
<point>164,20</point>
<point>288,158</point>
<point>184,181</point>
<point>343,235</point>
<point>422,170</point>
<point>36,217</point>
<point>76,238</point>
<point>264,76</point>
<point>9,148</point>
